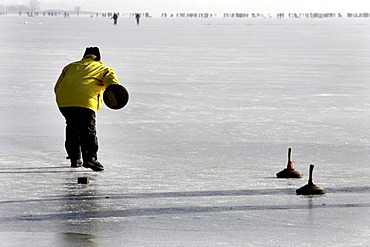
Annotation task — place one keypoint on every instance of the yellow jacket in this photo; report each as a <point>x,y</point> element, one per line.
<point>82,83</point>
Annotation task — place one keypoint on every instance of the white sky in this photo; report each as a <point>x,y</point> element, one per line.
<point>219,6</point>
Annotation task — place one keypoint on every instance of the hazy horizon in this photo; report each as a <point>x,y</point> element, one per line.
<point>201,5</point>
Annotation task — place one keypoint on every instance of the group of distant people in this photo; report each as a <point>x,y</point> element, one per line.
<point>115,18</point>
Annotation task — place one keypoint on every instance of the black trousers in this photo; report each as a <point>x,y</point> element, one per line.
<point>80,133</point>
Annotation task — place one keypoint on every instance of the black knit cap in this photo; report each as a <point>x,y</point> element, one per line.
<point>93,51</point>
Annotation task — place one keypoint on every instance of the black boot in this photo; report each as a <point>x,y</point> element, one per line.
<point>93,164</point>
<point>75,162</point>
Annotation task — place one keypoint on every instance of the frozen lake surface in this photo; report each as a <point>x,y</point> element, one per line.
<point>192,159</point>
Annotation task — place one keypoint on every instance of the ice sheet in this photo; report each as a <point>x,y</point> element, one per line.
<point>192,159</point>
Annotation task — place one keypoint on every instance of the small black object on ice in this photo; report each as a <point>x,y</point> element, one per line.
<point>289,172</point>
<point>310,188</point>
<point>83,180</point>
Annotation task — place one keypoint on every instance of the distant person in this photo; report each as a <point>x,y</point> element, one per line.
<point>79,93</point>
<point>137,17</point>
<point>115,18</point>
